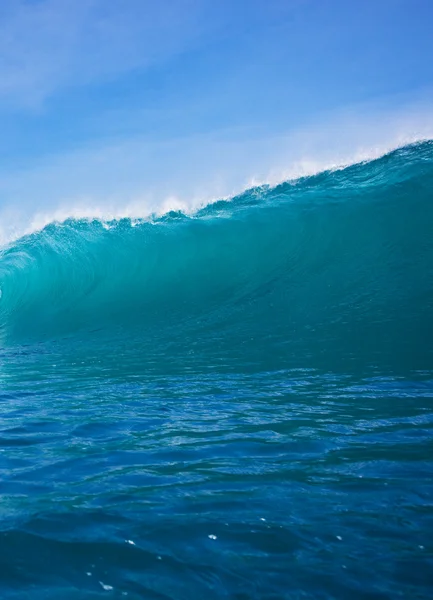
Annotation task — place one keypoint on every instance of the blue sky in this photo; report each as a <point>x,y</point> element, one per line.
<point>110,106</point>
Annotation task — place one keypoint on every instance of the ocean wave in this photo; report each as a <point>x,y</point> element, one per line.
<point>333,255</point>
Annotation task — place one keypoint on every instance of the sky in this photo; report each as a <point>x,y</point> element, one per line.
<point>126,107</point>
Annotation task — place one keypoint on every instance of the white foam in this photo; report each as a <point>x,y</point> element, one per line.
<point>105,586</point>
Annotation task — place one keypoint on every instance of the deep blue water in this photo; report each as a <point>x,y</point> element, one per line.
<point>235,404</point>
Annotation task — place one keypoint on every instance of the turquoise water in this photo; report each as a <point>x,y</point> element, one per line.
<point>232,404</point>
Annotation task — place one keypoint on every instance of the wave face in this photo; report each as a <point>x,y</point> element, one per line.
<point>339,262</point>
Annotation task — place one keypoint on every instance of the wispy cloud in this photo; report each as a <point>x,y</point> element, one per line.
<point>48,44</point>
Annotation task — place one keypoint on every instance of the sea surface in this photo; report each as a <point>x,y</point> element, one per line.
<point>233,404</point>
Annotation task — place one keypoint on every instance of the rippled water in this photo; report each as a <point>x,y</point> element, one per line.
<point>212,482</point>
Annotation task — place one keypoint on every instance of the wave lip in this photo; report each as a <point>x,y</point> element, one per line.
<point>345,254</point>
